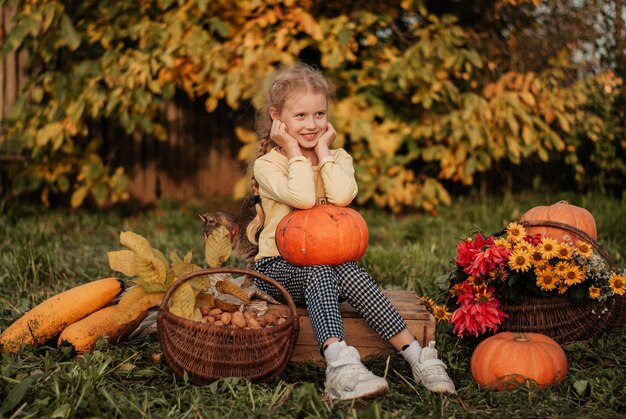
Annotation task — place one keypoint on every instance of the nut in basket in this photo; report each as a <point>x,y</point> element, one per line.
<point>207,352</point>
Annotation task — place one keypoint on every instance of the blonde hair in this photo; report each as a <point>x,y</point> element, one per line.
<point>276,90</point>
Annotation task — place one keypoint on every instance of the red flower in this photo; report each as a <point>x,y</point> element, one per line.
<point>534,239</point>
<point>476,319</point>
<point>467,249</point>
<point>468,294</point>
<point>479,257</point>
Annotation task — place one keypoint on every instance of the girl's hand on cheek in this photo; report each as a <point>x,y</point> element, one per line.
<point>281,136</point>
<point>328,137</point>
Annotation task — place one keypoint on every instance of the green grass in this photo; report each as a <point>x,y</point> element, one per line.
<point>44,252</point>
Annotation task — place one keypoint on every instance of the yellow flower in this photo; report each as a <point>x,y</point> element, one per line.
<point>584,249</point>
<point>564,251</point>
<point>476,282</point>
<point>440,313</point>
<point>519,260</point>
<point>502,242</point>
<point>483,296</point>
<point>548,247</point>
<point>523,245</point>
<point>537,258</point>
<point>560,268</point>
<point>562,287</point>
<point>428,302</point>
<point>573,275</point>
<point>594,292</point>
<point>546,280</point>
<point>515,232</point>
<point>457,290</point>
<point>617,283</point>
<point>499,274</point>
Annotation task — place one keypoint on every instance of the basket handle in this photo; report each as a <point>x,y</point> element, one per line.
<point>567,227</point>
<point>211,271</point>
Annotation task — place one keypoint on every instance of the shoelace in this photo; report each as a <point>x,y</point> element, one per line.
<point>434,369</point>
<point>437,370</point>
<point>348,371</point>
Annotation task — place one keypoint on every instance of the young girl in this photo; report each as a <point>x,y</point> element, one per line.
<point>297,169</point>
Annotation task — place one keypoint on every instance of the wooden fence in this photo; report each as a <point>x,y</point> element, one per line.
<point>198,161</point>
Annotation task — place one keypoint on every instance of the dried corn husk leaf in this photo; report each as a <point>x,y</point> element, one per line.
<point>230,287</point>
<point>217,247</point>
<point>183,301</point>
<point>129,308</point>
<point>123,261</point>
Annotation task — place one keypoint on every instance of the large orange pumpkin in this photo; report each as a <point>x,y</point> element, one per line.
<point>323,235</point>
<point>565,213</point>
<point>506,359</point>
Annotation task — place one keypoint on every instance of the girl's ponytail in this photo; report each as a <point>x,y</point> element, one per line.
<point>257,223</point>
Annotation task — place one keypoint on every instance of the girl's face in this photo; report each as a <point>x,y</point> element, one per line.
<point>306,117</point>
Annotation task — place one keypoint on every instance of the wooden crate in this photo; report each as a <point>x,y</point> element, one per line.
<point>359,333</point>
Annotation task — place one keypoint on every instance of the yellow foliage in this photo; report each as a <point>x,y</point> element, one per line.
<point>130,305</point>
<point>123,261</point>
<point>409,93</point>
<point>217,247</point>
<point>183,302</point>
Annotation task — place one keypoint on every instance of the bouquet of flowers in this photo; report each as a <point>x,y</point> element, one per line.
<point>515,266</point>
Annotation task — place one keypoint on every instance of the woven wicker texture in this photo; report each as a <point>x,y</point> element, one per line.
<point>558,316</point>
<point>207,352</point>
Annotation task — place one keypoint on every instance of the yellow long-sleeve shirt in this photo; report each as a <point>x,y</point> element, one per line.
<point>286,184</point>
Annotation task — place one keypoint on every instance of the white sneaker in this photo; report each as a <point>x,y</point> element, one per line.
<point>431,371</point>
<point>347,378</point>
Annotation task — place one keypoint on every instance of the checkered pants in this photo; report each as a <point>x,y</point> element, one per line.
<point>321,287</point>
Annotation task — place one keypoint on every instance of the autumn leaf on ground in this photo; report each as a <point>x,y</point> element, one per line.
<point>183,301</point>
<point>217,247</point>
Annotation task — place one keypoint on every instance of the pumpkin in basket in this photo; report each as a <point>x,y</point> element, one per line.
<point>323,235</point>
<point>507,359</point>
<point>560,212</point>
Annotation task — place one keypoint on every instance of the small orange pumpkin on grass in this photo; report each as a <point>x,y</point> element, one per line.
<point>506,359</point>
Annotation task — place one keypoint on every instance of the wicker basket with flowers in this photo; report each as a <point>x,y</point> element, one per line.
<point>517,281</point>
